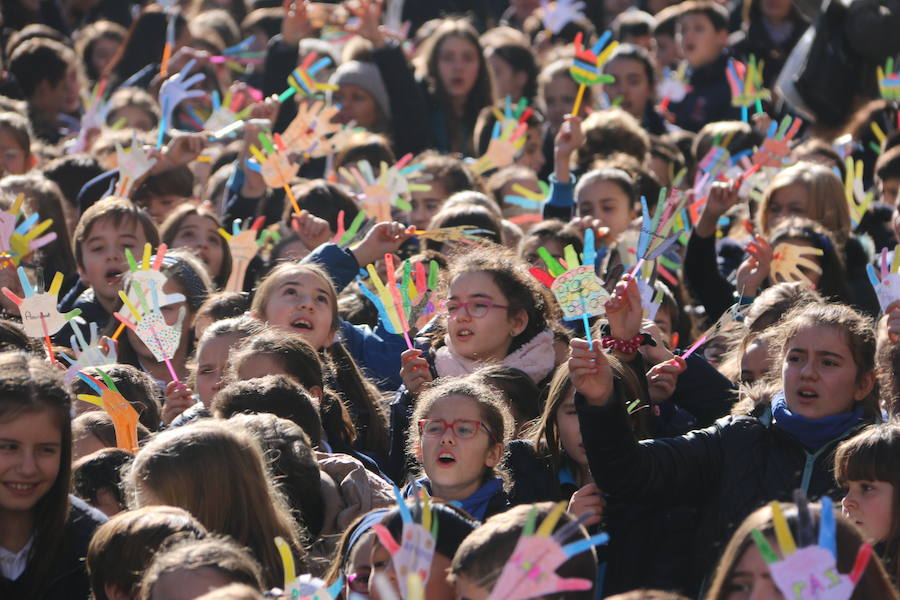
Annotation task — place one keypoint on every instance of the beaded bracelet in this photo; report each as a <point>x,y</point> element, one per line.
<point>624,346</point>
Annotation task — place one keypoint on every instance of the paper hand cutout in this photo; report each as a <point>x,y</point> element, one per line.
<point>854,191</point>
<point>466,234</point>
<point>527,198</point>
<point>810,572</point>
<point>578,290</point>
<point>585,69</point>
<point>775,148</point>
<point>343,236</point>
<point>150,325</point>
<point>18,241</point>
<point>502,148</point>
<point>88,354</point>
<point>531,570</point>
<point>302,79</point>
<point>223,113</point>
<point>673,85</point>
<point>654,239</point>
<point>889,81</point>
<point>787,259</point>
<point>310,128</point>
<point>40,317</point>
<point>148,275</point>
<point>746,82</point>
<point>96,108</point>
<point>177,89</point>
<point>124,417</point>
<point>134,163</point>
<point>401,304</point>
<point>412,555</point>
<point>560,13</point>
<point>275,166</point>
<point>389,188</point>
<point>243,243</point>
<point>888,287</point>
<point>651,298</point>
<point>300,588</point>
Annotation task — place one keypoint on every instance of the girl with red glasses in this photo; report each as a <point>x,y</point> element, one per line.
<point>461,430</point>
<point>492,312</point>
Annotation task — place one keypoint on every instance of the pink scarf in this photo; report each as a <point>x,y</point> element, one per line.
<point>535,358</point>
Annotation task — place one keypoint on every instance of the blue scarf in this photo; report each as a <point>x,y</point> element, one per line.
<point>476,504</point>
<point>813,433</point>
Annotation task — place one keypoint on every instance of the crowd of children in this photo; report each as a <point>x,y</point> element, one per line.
<point>448,299</point>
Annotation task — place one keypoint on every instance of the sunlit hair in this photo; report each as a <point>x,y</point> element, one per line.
<point>198,466</point>
<point>827,204</point>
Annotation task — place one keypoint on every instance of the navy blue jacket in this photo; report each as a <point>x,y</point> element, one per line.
<point>709,99</point>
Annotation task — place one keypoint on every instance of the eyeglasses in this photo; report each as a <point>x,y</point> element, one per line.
<point>359,583</point>
<point>462,428</point>
<point>474,308</point>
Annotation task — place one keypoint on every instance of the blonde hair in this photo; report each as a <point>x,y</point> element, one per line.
<point>827,204</point>
<point>199,467</point>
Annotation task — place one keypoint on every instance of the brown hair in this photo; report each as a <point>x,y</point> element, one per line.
<point>609,131</point>
<point>874,455</point>
<point>494,411</point>
<point>856,328</point>
<point>19,128</point>
<point>120,210</point>
<point>122,548</point>
<point>171,227</point>
<point>197,465</point>
<point>874,582</point>
<point>213,552</point>
<point>341,372</point>
<point>827,203</point>
<point>29,385</point>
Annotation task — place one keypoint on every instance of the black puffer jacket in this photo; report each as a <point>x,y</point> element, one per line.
<point>726,471</point>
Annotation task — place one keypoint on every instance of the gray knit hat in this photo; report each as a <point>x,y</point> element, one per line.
<point>366,76</point>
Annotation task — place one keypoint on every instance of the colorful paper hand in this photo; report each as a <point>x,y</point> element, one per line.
<point>673,87</point>
<point>150,326</point>
<point>412,555</point>
<point>560,13</point>
<point>654,239</point>
<point>300,588</point>
<point>578,290</point>
<point>149,275</point>
<point>810,572</point>
<point>244,243</point>
<point>275,166</point>
<point>309,130</point>
<point>124,417</point>
<point>18,241</point>
<point>40,317</point>
<point>389,188</point>
<point>787,260</point>
<point>588,62</point>
<point>344,237</point>
<point>466,234</point>
<point>94,118</point>
<point>888,287</point>
<point>746,83</point>
<point>889,81</point>
<point>395,303</point>
<point>527,198</point>
<point>531,570</point>
<point>302,79</point>
<point>502,148</point>
<point>133,164</point>
<point>88,354</point>
<point>776,148</point>
<point>854,190</point>
<point>223,113</point>
<point>651,299</point>
<point>177,89</point>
